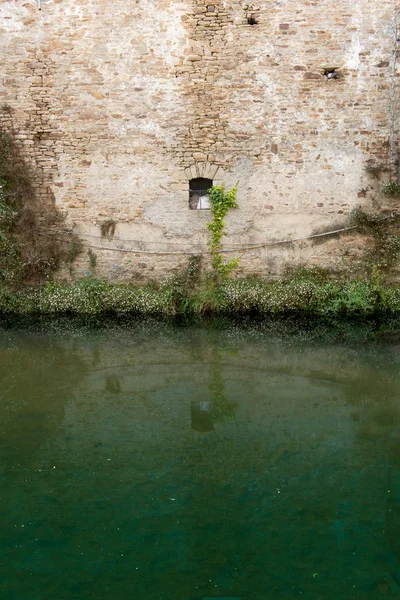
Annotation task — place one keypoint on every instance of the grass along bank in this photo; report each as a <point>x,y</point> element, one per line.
<point>305,293</point>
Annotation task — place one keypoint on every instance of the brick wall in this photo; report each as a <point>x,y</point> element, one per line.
<point>118,105</point>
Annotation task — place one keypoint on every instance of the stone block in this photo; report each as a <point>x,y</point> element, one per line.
<point>193,171</point>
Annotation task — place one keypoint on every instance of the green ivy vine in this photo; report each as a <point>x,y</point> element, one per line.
<point>221,201</point>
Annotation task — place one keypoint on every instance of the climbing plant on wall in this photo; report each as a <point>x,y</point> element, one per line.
<point>221,202</point>
<point>25,255</point>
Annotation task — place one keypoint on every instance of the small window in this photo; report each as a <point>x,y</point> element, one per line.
<point>198,194</point>
<point>251,19</point>
<point>331,73</point>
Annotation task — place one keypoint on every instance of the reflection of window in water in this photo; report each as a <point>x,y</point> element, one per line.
<point>201,416</point>
<point>112,384</point>
<point>198,193</point>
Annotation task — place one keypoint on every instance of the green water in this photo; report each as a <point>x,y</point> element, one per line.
<point>178,464</point>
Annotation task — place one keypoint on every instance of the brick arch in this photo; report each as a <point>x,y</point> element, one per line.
<point>205,170</point>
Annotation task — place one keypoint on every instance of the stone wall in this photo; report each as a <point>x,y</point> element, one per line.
<point>118,105</point>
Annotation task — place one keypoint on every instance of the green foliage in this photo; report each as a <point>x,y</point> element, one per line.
<point>10,302</point>
<point>388,250</point>
<point>74,249</point>
<point>11,265</point>
<point>391,189</point>
<point>92,260</point>
<point>193,270</point>
<point>221,408</point>
<point>182,287</point>
<point>207,299</point>
<point>390,300</point>
<point>92,296</point>
<point>385,231</point>
<point>10,259</point>
<point>221,202</point>
<point>300,294</point>
<point>8,214</point>
<point>25,255</point>
<point>367,222</point>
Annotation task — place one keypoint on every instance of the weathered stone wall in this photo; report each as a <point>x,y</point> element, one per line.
<point>118,105</point>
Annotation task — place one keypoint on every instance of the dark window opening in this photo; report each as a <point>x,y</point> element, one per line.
<point>198,193</point>
<point>331,73</point>
<point>252,20</point>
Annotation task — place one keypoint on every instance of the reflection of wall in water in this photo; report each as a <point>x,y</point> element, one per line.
<point>38,378</point>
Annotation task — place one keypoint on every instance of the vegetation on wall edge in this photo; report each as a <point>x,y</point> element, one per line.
<point>303,294</point>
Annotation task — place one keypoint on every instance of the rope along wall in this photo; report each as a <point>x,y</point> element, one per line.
<point>203,250</point>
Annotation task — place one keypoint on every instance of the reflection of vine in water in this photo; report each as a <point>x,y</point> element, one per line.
<point>37,383</point>
<point>211,410</point>
<point>221,408</point>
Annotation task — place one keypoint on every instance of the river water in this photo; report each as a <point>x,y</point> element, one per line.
<point>165,463</point>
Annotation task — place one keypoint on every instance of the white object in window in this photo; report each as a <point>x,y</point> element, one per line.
<point>204,203</point>
<point>199,198</point>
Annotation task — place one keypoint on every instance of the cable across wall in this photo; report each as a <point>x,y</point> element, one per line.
<point>238,247</point>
